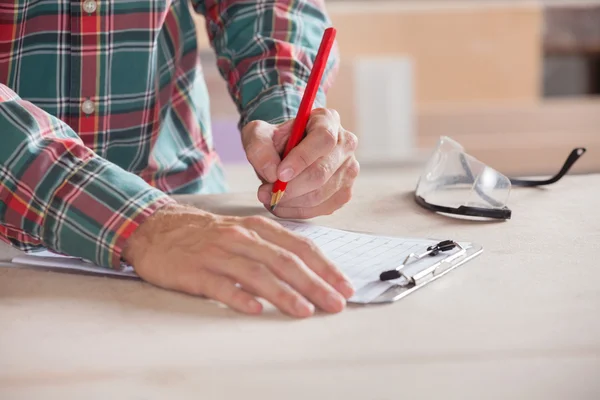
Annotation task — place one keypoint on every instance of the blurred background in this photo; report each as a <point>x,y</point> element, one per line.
<point>516,82</point>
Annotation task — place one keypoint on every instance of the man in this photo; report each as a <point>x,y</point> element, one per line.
<point>104,114</point>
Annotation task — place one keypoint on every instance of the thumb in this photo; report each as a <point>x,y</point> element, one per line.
<point>257,139</point>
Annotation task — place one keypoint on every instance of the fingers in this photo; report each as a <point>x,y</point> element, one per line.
<point>321,137</point>
<point>305,249</point>
<point>221,288</point>
<point>344,177</point>
<point>282,264</point>
<point>223,271</point>
<point>331,205</point>
<point>320,172</point>
<point>261,281</point>
<point>257,139</point>
<point>317,175</point>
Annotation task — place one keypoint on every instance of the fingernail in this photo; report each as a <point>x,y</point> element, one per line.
<point>303,307</point>
<point>264,197</point>
<point>345,288</point>
<point>335,302</point>
<point>270,172</point>
<point>286,174</point>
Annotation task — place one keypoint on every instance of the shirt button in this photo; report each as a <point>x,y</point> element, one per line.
<point>88,107</point>
<point>89,6</point>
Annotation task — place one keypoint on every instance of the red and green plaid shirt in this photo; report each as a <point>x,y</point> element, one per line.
<point>104,111</point>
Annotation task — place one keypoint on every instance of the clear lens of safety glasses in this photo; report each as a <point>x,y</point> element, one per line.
<point>456,183</point>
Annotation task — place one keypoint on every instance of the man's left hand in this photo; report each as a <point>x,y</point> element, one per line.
<point>320,170</point>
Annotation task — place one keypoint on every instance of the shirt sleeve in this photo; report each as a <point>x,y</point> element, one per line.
<point>265,52</point>
<point>58,194</point>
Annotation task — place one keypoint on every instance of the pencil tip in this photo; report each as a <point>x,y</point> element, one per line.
<point>275,199</point>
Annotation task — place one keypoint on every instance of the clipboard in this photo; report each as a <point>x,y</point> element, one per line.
<point>419,277</point>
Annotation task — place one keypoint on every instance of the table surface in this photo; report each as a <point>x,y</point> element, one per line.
<point>520,321</point>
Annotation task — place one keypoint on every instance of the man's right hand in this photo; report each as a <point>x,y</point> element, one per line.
<point>234,260</point>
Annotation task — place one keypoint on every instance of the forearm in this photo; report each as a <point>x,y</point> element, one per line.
<point>57,193</point>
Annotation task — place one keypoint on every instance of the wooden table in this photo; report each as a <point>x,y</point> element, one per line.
<point>520,321</point>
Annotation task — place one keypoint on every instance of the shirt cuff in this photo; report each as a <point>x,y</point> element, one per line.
<point>277,105</point>
<point>93,212</point>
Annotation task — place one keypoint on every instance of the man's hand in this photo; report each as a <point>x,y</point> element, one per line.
<point>321,170</point>
<point>234,260</point>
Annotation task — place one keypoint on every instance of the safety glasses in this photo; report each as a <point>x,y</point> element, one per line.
<point>454,182</point>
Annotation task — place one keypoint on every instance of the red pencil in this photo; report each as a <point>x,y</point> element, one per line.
<point>306,105</point>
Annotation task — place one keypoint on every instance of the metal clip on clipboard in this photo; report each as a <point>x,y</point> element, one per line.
<point>412,274</point>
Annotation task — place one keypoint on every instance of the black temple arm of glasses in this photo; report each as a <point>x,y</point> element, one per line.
<point>494,213</point>
<point>573,157</point>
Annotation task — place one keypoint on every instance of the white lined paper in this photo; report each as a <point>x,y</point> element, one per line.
<point>362,256</point>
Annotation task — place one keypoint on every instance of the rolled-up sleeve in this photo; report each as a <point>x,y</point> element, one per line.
<point>265,52</point>
<point>56,193</point>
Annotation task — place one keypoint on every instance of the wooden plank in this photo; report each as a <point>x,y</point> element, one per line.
<point>453,64</point>
<point>526,139</point>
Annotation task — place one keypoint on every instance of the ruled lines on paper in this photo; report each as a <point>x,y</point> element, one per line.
<point>362,257</point>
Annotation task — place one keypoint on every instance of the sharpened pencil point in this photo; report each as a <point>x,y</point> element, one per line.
<point>275,199</point>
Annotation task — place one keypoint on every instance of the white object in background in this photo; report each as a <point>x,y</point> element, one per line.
<point>384,109</point>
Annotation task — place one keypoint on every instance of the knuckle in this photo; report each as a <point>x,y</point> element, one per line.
<point>328,113</point>
<point>287,258</point>
<point>284,297</point>
<point>306,245</point>
<point>255,272</point>
<point>237,297</point>
<point>353,169</point>
<point>321,111</point>
<point>257,220</point>
<point>254,125</point>
<point>319,174</point>
<point>330,136</point>
<point>233,232</point>
<point>334,114</point>
<point>351,141</point>
<point>253,235</point>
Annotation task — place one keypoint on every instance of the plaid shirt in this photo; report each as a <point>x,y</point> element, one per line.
<point>104,111</point>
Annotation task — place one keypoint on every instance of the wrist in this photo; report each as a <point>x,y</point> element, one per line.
<point>166,219</point>
<point>141,237</point>
<point>274,105</point>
